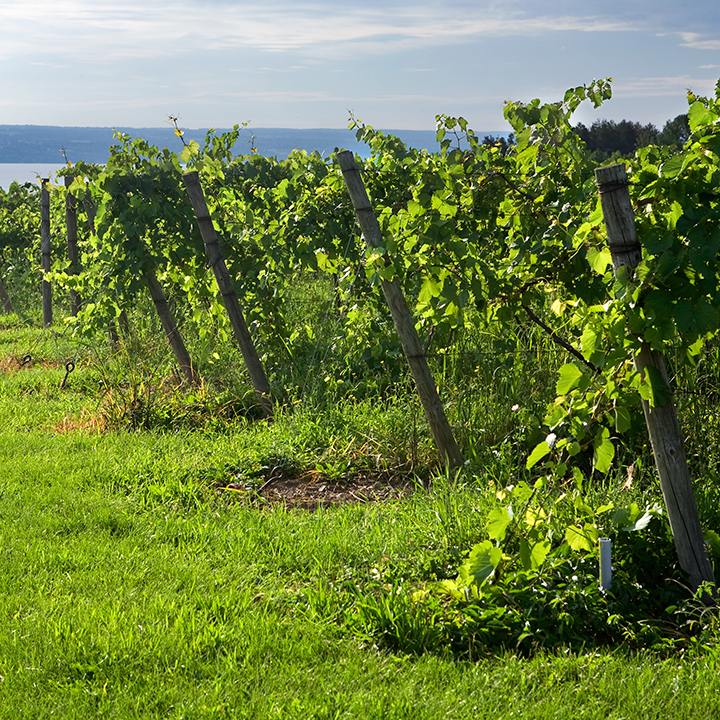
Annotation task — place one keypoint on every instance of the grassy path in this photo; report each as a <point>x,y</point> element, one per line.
<point>124,595</point>
<point>129,588</point>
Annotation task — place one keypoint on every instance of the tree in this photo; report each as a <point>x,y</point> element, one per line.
<point>503,143</point>
<point>675,132</point>
<point>606,138</point>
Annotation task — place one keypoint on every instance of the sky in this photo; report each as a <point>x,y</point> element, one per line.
<point>394,64</point>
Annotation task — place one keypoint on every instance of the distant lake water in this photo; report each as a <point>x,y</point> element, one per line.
<point>26,172</point>
<point>91,145</point>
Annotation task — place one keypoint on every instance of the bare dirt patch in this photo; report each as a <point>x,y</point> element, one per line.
<point>312,489</point>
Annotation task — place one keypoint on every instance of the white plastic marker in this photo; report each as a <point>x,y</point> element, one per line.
<point>605,563</point>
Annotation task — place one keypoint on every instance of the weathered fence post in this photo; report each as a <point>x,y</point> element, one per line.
<point>662,422</point>
<point>403,319</point>
<point>45,251</point>
<point>90,211</point>
<point>7,305</point>
<point>170,326</point>
<point>71,226</point>
<point>227,291</point>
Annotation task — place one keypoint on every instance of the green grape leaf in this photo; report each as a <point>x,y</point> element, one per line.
<point>603,451</point>
<point>582,538</point>
<point>430,288</point>
<point>706,317</point>
<point>675,165</point>
<point>498,521</point>
<point>658,393</point>
<point>533,556</point>
<point>684,315</point>
<point>568,376</point>
<point>599,259</point>
<point>589,341</point>
<point>622,419</point>
<point>640,524</point>
<point>699,115</point>
<point>190,151</point>
<point>713,541</point>
<point>539,452</point>
<point>481,563</point>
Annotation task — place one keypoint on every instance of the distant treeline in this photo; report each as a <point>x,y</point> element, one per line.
<point>607,139</point>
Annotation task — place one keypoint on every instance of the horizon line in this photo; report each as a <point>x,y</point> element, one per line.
<point>212,127</point>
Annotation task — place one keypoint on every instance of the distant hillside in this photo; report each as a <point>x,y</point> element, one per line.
<point>42,143</point>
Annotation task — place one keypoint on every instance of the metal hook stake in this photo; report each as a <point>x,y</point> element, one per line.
<point>69,367</point>
<point>27,359</point>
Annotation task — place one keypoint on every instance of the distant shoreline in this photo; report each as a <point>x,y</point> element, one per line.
<point>21,144</point>
<point>26,172</point>
<point>29,151</point>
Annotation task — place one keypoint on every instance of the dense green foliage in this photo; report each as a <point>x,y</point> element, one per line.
<point>478,236</point>
<point>137,584</point>
<point>501,253</point>
<point>606,139</point>
<point>19,236</point>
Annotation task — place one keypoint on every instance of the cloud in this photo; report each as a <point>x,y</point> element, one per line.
<point>52,65</point>
<point>190,53</point>
<point>696,41</point>
<point>278,96</point>
<point>106,29</point>
<point>662,86</point>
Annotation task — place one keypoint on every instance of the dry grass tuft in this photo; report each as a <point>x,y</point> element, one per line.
<point>88,422</point>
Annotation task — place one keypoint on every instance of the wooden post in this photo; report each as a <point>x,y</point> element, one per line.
<point>90,211</point>
<point>403,319</point>
<point>662,422</point>
<point>45,250</point>
<point>71,226</point>
<point>227,291</point>
<point>170,327</point>
<point>7,305</point>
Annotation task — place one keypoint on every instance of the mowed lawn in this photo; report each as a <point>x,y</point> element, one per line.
<point>131,587</point>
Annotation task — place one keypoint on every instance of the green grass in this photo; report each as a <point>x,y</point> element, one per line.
<point>132,588</point>
<point>115,606</point>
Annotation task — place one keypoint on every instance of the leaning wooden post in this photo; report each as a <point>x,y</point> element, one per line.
<point>4,298</point>
<point>170,326</point>
<point>662,422</point>
<point>227,291</point>
<point>403,319</point>
<point>90,211</point>
<point>45,250</point>
<point>71,226</point>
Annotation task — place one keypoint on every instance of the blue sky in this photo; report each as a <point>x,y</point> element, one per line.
<point>393,63</point>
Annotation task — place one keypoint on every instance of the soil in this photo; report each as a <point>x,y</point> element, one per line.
<point>312,489</point>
